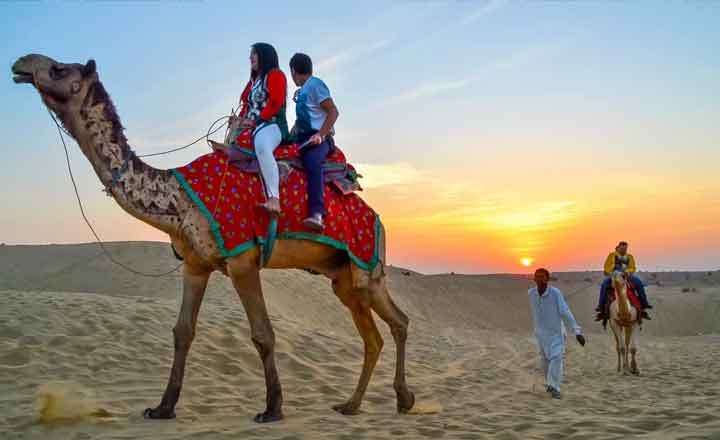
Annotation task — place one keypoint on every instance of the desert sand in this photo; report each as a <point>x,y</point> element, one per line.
<point>86,346</point>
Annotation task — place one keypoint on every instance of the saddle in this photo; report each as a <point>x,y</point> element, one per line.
<point>336,170</point>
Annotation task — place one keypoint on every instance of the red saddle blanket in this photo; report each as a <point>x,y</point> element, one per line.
<point>229,198</point>
<point>632,297</point>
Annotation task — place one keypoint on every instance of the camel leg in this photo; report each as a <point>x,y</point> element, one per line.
<point>626,349</point>
<point>194,285</point>
<point>247,284</point>
<point>383,305</point>
<point>356,301</point>
<point>633,351</point>
<point>615,331</point>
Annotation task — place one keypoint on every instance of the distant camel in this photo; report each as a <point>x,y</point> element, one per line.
<point>625,325</point>
<point>76,95</point>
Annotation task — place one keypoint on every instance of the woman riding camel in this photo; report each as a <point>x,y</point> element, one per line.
<point>262,117</point>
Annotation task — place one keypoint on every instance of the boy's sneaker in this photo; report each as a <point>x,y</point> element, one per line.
<point>314,222</point>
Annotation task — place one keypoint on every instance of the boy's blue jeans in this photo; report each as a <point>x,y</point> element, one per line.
<point>313,157</point>
<point>636,282</point>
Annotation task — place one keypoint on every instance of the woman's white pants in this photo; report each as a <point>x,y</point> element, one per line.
<point>266,139</point>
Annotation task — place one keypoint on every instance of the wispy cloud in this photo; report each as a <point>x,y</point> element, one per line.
<point>534,218</point>
<point>487,8</point>
<point>428,89</point>
<point>380,175</point>
<point>517,59</point>
<point>332,63</point>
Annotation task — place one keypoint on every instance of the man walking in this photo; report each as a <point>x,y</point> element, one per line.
<point>549,310</point>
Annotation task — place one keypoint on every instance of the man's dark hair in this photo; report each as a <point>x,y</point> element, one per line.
<point>543,270</point>
<point>301,64</point>
<point>267,59</point>
<point>623,243</point>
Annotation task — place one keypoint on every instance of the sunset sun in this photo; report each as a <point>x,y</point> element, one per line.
<point>526,262</point>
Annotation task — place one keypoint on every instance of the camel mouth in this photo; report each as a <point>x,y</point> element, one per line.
<point>23,78</point>
<point>21,74</point>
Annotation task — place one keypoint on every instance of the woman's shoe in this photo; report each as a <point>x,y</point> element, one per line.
<point>272,206</point>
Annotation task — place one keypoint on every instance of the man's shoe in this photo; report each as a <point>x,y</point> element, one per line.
<point>646,316</point>
<point>555,394</point>
<point>647,306</point>
<point>314,222</point>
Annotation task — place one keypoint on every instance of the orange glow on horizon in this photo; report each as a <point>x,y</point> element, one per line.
<point>458,225</point>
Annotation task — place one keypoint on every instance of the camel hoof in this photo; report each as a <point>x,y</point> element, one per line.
<point>347,409</point>
<point>158,413</point>
<point>404,405</point>
<point>635,372</point>
<point>267,417</point>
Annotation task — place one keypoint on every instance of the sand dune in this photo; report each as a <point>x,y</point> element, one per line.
<point>85,347</point>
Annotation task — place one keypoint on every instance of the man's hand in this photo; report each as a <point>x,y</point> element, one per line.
<point>580,339</point>
<point>247,123</point>
<point>316,139</point>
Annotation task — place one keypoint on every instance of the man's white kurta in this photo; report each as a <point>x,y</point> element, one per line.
<point>549,312</point>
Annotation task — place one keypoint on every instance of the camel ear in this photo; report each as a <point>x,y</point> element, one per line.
<point>89,68</point>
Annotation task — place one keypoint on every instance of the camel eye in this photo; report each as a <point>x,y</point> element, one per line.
<point>57,72</point>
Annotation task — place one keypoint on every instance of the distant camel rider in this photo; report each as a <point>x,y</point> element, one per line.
<point>621,261</point>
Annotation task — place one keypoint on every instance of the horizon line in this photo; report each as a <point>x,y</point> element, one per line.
<point>4,244</point>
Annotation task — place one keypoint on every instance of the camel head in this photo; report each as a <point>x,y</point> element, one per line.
<point>619,279</point>
<point>62,87</point>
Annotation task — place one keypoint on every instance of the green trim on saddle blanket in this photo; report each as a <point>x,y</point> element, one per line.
<point>260,241</point>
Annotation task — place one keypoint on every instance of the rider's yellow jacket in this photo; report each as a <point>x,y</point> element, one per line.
<point>615,261</point>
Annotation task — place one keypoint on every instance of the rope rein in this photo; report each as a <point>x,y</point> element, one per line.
<point>117,174</point>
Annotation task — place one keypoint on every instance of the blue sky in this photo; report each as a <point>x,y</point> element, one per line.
<point>478,98</point>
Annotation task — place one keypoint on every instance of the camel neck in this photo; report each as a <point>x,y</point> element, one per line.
<point>147,193</point>
<point>622,300</point>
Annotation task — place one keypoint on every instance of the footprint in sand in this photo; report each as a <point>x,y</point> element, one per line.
<point>15,358</point>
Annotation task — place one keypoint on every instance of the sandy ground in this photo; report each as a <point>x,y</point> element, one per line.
<point>85,347</point>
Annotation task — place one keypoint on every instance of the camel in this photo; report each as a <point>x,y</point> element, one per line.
<point>625,325</point>
<point>75,94</point>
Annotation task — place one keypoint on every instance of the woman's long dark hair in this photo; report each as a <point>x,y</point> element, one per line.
<point>267,59</point>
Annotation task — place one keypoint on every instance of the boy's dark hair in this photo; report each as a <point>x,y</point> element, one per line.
<point>301,64</point>
<point>543,270</point>
<point>267,59</point>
